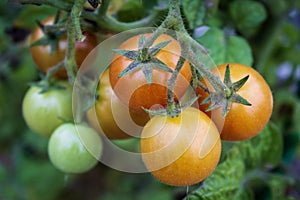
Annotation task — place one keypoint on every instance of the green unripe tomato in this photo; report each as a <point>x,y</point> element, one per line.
<point>74,148</point>
<point>44,112</point>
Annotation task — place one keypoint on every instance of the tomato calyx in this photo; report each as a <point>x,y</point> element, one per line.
<point>144,59</point>
<point>47,85</point>
<point>173,109</point>
<point>226,97</point>
<point>52,34</point>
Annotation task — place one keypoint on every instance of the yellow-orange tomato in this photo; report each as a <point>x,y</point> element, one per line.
<point>242,122</point>
<point>43,57</point>
<point>183,150</point>
<point>133,89</point>
<point>111,117</point>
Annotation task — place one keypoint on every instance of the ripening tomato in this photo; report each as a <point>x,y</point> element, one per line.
<point>112,117</point>
<point>74,148</point>
<point>242,122</point>
<point>133,89</point>
<point>42,54</point>
<point>44,112</point>
<point>183,150</point>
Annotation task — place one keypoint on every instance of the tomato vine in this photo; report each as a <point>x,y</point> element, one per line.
<point>236,113</point>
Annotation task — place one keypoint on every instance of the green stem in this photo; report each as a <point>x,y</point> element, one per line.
<point>187,42</point>
<point>75,18</point>
<point>102,22</point>
<point>51,71</point>
<point>70,54</point>
<point>103,7</point>
<point>61,5</point>
<point>74,31</point>
<point>49,29</point>
<point>171,107</point>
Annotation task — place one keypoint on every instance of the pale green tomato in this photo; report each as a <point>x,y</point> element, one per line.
<point>44,112</point>
<point>74,148</point>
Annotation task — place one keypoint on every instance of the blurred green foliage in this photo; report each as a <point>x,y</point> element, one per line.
<point>260,33</point>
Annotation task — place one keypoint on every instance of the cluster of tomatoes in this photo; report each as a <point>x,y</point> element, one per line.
<point>178,150</point>
<point>47,105</point>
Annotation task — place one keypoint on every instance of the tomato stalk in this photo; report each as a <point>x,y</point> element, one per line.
<point>103,7</point>
<point>102,21</point>
<point>51,71</point>
<point>74,31</point>
<point>172,109</point>
<point>174,21</point>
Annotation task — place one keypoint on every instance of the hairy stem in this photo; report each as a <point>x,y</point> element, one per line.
<point>103,7</point>
<point>102,21</point>
<point>51,71</point>
<point>171,84</point>
<point>75,18</point>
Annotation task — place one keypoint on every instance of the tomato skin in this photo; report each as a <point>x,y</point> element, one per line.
<point>42,111</point>
<point>242,122</point>
<point>42,54</point>
<point>74,148</point>
<point>133,89</point>
<point>111,117</point>
<point>189,147</point>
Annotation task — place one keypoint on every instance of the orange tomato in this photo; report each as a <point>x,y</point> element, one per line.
<point>133,89</point>
<point>242,122</point>
<point>43,57</point>
<point>182,150</point>
<point>111,117</point>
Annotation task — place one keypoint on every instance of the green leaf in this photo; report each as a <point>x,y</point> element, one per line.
<point>224,48</point>
<point>264,150</point>
<point>224,181</point>
<point>247,15</point>
<point>277,185</point>
<point>132,10</point>
<point>31,13</point>
<point>194,11</point>
<point>239,51</point>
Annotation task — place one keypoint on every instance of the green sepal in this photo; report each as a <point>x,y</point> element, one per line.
<point>142,41</point>
<point>45,86</point>
<point>40,42</point>
<point>239,99</point>
<point>127,53</point>
<point>160,65</point>
<point>226,108</point>
<point>237,85</point>
<point>206,100</point>
<point>154,50</point>
<point>227,79</point>
<point>175,111</point>
<point>213,106</point>
<point>147,70</point>
<point>144,59</point>
<point>133,66</point>
<point>50,38</point>
<point>161,112</point>
<point>224,99</point>
<point>190,102</point>
<point>53,46</point>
